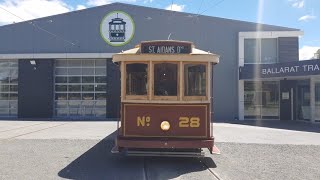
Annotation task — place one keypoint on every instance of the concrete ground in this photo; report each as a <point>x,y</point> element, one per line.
<point>81,150</point>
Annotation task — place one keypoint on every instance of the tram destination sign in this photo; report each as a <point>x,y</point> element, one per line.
<point>166,47</point>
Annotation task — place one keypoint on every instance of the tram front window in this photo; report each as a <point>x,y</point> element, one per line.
<point>137,78</point>
<point>195,80</point>
<point>165,79</point>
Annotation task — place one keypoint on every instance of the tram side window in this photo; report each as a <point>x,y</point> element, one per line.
<point>165,79</point>
<point>195,80</point>
<point>137,78</point>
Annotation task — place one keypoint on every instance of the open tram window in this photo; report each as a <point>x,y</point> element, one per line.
<point>165,79</point>
<point>137,79</point>
<point>195,80</point>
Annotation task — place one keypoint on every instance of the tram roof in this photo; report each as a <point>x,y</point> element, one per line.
<point>196,55</point>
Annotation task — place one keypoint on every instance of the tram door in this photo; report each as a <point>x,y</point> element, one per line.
<point>287,100</point>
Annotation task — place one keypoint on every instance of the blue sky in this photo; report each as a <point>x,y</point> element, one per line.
<point>300,14</point>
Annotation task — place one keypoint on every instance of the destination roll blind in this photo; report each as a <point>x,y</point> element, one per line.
<point>166,47</point>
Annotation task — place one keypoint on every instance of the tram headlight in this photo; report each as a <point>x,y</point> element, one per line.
<point>165,125</point>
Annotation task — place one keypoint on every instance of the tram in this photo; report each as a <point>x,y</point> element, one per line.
<point>117,30</point>
<point>165,99</point>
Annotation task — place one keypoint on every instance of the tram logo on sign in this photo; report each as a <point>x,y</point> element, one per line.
<point>117,28</point>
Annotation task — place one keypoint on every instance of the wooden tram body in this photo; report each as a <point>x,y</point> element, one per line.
<point>165,98</point>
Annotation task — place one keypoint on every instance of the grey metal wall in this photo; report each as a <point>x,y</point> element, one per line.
<point>212,34</point>
<point>288,48</point>
<point>113,90</point>
<point>35,89</point>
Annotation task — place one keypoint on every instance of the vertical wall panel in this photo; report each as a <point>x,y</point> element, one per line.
<point>35,89</point>
<point>113,90</point>
<point>288,49</point>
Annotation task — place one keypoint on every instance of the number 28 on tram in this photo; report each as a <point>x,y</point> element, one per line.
<point>165,98</point>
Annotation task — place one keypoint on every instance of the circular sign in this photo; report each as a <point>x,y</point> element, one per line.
<point>117,28</point>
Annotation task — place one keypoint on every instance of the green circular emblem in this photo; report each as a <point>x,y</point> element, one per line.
<point>117,28</point>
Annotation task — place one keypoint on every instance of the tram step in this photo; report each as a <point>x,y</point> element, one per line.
<point>169,153</point>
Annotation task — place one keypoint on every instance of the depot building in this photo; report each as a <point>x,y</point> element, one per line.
<point>60,67</point>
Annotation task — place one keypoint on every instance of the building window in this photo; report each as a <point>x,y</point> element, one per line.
<point>261,100</point>
<point>317,101</point>
<point>80,87</point>
<point>251,50</point>
<point>303,109</point>
<point>137,79</point>
<point>263,51</point>
<point>165,79</point>
<point>8,88</point>
<point>195,80</point>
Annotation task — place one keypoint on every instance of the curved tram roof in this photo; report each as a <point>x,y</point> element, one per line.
<point>195,55</point>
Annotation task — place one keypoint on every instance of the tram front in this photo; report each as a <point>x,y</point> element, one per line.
<point>165,99</point>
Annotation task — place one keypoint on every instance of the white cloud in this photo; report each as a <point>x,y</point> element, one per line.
<point>307,52</point>
<point>31,9</point>
<point>147,1</point>
<point>307,18</point>
<point>80,7</point>
<point>98,2</point>
<point>298,4</point>
<point>175,7</point>
<point>103,2</point>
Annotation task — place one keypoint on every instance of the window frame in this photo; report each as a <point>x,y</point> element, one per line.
<point>170,98</point>
<point>259,44</point>
<point>124,84</point>
<point>151,97</point>
<point>191,98</point>
<point>9,104</point>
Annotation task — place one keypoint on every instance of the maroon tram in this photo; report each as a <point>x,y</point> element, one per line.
<point>165,99</point>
